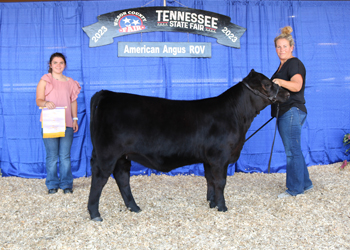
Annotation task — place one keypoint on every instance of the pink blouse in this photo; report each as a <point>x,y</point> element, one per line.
<point>62,94</point>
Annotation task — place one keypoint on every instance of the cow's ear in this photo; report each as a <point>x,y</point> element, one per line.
<point>251,73</point>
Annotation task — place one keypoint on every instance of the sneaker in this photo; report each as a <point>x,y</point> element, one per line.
<point>53,191</point>
<point>284,195</point>
<point>68,191</point>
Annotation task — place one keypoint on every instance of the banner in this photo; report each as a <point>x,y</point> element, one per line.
<point>173,19</point>
<point>54,122</point>
<point>163,49</point>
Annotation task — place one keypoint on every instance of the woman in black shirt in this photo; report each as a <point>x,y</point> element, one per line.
<point>292,114</point>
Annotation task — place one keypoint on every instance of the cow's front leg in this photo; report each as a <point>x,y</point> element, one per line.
<point>97,184</point>
<point>220,175</point>
<point>122,177</point>
<point>210,185</point>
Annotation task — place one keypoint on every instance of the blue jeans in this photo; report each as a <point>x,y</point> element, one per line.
<point>59,148</point>
<point>289,127</point>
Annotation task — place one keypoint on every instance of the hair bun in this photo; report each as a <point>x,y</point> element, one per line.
<point>286,30</point>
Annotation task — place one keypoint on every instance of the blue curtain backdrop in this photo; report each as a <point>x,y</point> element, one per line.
<point>31,32</point>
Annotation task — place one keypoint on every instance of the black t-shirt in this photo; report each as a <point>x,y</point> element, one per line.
<point>290,68</point>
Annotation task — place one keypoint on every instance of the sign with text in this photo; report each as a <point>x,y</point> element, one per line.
<point>174,19</point>
<point>163,49</point>
<point>54,122</point>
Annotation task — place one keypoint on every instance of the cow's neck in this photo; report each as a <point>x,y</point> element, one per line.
<point>253,105</point>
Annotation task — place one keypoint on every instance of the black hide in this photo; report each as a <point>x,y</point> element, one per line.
<point>166,134</point>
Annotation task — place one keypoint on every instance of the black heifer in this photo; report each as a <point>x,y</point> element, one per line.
<point>166,134</point>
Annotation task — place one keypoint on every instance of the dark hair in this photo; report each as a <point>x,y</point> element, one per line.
<point>57,54</point>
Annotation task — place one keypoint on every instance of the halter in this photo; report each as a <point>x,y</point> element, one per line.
<point>272,99</point>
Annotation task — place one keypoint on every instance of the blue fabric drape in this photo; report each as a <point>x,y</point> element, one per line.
<point>30,32</point>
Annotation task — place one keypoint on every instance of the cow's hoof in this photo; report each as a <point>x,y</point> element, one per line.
<point>135,210</point>
<point>223,209</point>
<point>212,204</point>
<point>97,219</point>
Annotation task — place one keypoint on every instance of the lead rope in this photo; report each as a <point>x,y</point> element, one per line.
<point>274,137</point>
<point>258,130</point>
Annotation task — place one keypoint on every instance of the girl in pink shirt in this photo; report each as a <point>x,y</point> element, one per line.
<point>56,90</point>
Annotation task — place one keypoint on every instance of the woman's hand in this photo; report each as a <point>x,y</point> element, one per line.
<point>49,105</point>
<point>75,114</point>
<point>277,81</point>
<point>75,126</point>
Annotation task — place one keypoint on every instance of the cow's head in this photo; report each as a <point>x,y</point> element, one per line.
<point>264,87</point>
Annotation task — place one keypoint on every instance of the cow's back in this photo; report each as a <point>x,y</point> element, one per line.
<point>129,112</point>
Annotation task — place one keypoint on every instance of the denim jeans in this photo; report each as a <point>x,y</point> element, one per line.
<point>59,148</point>
<point>289,127</point>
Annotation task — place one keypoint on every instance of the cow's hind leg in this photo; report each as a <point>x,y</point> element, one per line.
<point>98,181</point>
<point>122,177</point>
<point>210,185</point>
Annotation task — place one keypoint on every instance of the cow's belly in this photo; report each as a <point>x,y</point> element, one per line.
<point>163,164</point>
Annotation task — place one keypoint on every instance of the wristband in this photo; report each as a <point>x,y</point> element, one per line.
<point>75,118</point>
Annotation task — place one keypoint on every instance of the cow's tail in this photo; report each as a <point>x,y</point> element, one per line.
<point>94,102</point>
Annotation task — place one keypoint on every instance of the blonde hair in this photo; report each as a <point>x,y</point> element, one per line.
<point>285,33</point>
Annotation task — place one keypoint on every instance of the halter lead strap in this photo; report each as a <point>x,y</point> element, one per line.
<point>274,137</point>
